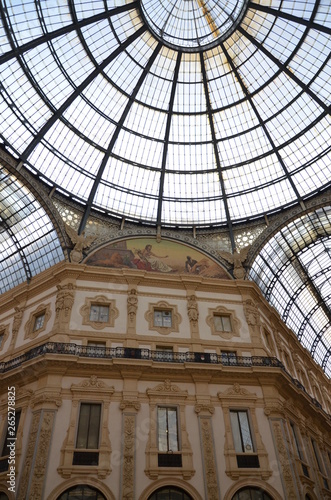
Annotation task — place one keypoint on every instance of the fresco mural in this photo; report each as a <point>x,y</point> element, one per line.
<point>163,257</point>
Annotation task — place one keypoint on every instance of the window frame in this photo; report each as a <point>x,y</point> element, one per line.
<point>221,317</point>
<point>251,435</point>
<point>163,313</point>
<point>90,404</point>
<point>103,301</point>
<point>30,327</point>
<point>163,306</point>
<point>222,311</point>
<point>168,408</point>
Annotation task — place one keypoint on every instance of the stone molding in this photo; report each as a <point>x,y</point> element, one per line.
<point>237,397</point>
<point>91,390</point>
<point>161,395</point>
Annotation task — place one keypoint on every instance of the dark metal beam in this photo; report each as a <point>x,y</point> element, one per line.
<point>217,157</point>
<point>115,137</point>
<point>46,127</point>
<point>166,138</point>
<point>20,249</point>
<point>18,51</point>
<point>290,17</point>
<point>284,68</point>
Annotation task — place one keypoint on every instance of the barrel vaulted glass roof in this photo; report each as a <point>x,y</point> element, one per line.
<point>29,243</point>
<point>293,271</point>
<point>183,113</point>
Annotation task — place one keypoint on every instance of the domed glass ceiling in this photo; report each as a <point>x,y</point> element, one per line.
<point>185,113</point>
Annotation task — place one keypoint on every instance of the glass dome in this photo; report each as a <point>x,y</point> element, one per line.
<point>186,113</point>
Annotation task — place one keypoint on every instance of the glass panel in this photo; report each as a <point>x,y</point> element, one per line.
<point>167,318</point>
<point>162,429</point>
<point>83,426</point>
<point>167,429</point>
<point>94,427</point>
<point>222,323</point>
<point>226,324</point>
<point>245,432</point>
<point>236,432</point>
<point>158,318</point>
<point>99,313</point>
<point>172,430</point>
<point>163,318</point>
<point>39,322</point>
<point>88,426</point>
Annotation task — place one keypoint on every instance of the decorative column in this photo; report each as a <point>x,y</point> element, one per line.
<point>129,409</point>
<point>204,412</point>
<point>31,484</point>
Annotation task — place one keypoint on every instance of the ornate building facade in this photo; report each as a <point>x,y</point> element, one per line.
<point>134,383</point>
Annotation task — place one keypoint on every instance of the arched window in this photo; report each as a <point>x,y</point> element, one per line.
<point>3,496</point>
<point>251,494</point>
<point>82,492</point>
<point>170,493</point>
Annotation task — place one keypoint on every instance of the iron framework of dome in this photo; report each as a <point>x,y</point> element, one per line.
<point>194,113</point>
<point>97,106</point>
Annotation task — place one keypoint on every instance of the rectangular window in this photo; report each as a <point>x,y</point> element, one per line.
<point>167,429</point>
<point>222,323</point>
<point>242,436</point>
<point>99,313</point>
<point>88,426</point>
<point>296,441</point>
<point>317,456</point>
<point>39,322</point>
<point>168,442</point>
<point>2,336</point>
<point>162,318</point>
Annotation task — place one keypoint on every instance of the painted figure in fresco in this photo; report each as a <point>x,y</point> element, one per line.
<point>151,258</point>
<point>189,264</point>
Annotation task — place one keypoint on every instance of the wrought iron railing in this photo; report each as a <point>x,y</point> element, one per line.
<point>102,352</point>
